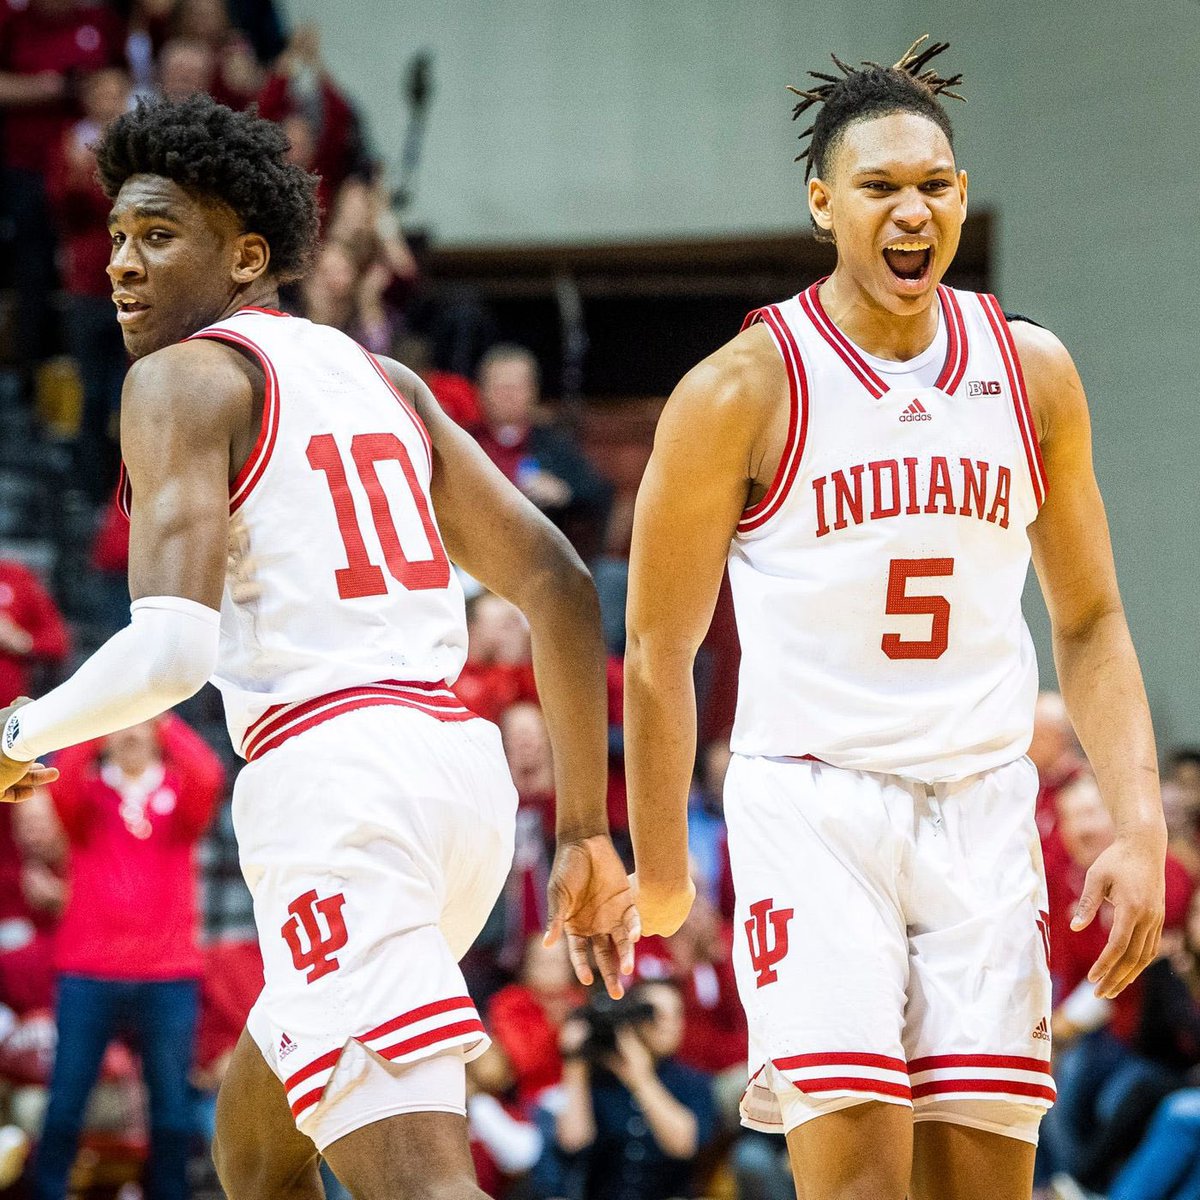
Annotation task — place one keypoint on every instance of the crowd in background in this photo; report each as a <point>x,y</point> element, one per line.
<point>127,959</point>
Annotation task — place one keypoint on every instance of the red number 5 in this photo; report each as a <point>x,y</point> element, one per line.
<point>360,576</point>
<point>900,603</point>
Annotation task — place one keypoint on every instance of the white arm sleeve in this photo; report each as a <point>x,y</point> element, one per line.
<point>165,655</point>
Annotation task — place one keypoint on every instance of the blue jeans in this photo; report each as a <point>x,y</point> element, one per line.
<point>160,1019</point>
<point>1166,1166</point>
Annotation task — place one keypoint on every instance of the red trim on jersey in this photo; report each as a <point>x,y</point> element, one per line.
<point>842,346</point>
<point>254,466</point>
<point>789,463</point>
<point>281,722</point>
<point>405,404</point>
<point>418,1014</point>
<point>1016,384</point>
<point>270,312</point>
<point>882,1061</point>
<point>124,493</point>
<point>851,1083</point>
<point>955,366</point>
<point>1006,1087</point>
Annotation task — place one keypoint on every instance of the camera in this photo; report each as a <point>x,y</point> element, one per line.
<point>604,1016</point>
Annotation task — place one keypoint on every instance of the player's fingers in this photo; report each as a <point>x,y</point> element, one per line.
<point>1129,967</point>
<point>577,951</point>
<point>609,963</point>
<point>1147,953</point>
<point>39,776</point>
<point>1095,888</point>
<point>554,928</point>
<point>1112,961</point>
<point>624,936</point>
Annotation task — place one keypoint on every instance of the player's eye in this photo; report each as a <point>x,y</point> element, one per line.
<point>118,239</point>
<point>158,235</point>
<point>877,185</point>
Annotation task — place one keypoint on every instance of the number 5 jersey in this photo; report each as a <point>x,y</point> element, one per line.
<point>338,592</point>
<point>877,584</point>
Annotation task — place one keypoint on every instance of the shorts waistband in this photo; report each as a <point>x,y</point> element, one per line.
<point>284,721</point>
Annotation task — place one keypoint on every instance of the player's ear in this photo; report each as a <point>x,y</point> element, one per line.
<point>252,256</point>
<point>820,204</point>
<point>962,192</point>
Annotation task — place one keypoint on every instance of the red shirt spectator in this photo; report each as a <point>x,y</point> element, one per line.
<point>31,629</point>
<point>499,669</point>
<point>133,822</point>
<point>525,1017</point>
<point>233,978</point>
<point>52,41</point>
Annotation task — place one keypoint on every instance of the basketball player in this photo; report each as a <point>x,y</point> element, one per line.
<point>875,459</point>
<point>295,504</point>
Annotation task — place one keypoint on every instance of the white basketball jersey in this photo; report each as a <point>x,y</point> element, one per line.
<point>877,584</point>
<point>337,575</point>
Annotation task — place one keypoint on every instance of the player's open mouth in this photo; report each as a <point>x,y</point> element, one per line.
<point>909,262</point>
<point>129,309</point>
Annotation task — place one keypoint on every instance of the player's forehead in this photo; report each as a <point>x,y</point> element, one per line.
<point>893,143</point>
<point>150,197</point>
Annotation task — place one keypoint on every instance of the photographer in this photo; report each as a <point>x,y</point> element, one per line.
<point>632,1119</point>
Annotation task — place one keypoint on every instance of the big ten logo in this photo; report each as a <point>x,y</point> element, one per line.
<point>983,387</point>
<point>322,943</point>
<point>767,933</point>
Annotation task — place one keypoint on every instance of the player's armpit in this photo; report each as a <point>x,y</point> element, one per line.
<point>183,410</point>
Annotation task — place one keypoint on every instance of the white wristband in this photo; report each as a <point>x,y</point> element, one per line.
<point>9,741</point>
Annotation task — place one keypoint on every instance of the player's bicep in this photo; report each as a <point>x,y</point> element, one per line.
<point>176,430</point>
<point>1072,551</point>
<point>692,495</point>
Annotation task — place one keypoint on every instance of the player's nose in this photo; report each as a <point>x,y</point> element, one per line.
<point>124,263</point>
<point>911,212</point>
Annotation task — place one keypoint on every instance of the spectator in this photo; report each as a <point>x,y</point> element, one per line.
<point>92,333</point>
<point>530,760</point>
<point>504,1143</point>
<point>32,632</point>
<point>544,463</point>
<point>300,85</point>
<point>127,953</point>
<point>499,668</point>
<point>526,1018</point>
<point>1181,805</point>
<point>455,393</point>
<point>186,67</point>
<point>237,76</point>
<point>1166,1165</point>
<point>1055,752</point>
<point>45,49</point>
<point>634,1123</point>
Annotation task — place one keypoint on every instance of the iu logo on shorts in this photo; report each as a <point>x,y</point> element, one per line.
<point>317,958</point>
<point>768,946</point>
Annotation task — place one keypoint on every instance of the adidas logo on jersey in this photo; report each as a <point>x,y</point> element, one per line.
<point>983,387</point>
<point>916,412</point>
<point>1042,1032</point>
<point>286,1046</point>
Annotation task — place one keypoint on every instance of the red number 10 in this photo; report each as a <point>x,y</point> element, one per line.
<point>360,576</point>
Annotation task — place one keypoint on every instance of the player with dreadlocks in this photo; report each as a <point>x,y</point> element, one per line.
<point>876,460</point>
<point>294,504</point>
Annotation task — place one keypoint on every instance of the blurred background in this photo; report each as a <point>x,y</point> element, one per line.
<point>551,211</point>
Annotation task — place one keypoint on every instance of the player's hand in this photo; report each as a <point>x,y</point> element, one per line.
<point>590,900</point>
<point>1129,875</point>
<point>663,910</point>
<point>19,780</point>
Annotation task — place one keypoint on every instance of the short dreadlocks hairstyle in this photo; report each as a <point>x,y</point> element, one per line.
<point>215,153</point>
<point>872,90</point>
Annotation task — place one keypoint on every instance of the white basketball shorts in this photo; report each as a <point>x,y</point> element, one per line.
<point>375,846</point>
<point>890,943</point>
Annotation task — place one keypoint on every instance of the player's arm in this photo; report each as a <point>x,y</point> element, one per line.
<point>1097,666</point>
<point>707,454</point>
<point>179,410</point>
<point>495,534</point>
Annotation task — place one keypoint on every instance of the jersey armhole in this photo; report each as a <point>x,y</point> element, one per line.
<point>268,430</point>
<point>757,515</point>
<point>405,404</point>
<point>1016,382</point>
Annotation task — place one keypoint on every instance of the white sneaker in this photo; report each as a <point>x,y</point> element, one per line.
<point>14,1150</point>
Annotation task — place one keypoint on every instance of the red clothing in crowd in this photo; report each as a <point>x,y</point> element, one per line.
<point>489,688</point>
<point>71,43</point>
<point>81,215</point>
<point>458,398</point>
<point>526,1034</point>
<point>1072,954</point>
<point>28,605</point>
<point>132,907</point>
<point>233,978</point>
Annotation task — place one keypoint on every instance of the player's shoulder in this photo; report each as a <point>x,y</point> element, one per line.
<point>205,375</point>
<point>738,383</point>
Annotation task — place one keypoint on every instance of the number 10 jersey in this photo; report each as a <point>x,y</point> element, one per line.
<point>337,577</point>
<point>877,585</point>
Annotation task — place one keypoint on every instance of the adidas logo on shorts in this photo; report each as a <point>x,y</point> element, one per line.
<point>1042,1032</point>
<point>286,1046</point>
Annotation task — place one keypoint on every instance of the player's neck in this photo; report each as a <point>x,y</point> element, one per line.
<point>265,295</point>
<point>873,328</point>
